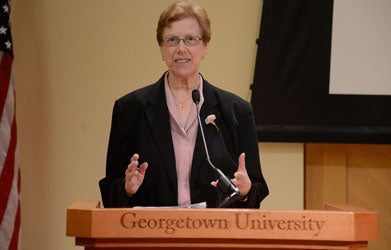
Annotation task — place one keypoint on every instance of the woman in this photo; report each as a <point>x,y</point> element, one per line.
<point>156,126</point>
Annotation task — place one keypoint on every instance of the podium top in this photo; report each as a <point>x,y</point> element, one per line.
<point>336,223</point>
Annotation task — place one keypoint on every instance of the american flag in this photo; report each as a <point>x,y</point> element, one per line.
<point>9,158</point>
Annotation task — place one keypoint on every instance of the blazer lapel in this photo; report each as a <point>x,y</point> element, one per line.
<point>157,115</point>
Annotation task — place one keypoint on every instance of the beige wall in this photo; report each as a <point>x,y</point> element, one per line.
<point>73,59</point>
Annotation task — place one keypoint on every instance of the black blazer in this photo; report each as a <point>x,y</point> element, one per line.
<point>140,124</point>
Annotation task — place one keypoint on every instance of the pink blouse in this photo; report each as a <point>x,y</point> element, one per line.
<point>183,139</point>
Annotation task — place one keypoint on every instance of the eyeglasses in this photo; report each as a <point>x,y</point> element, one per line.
<point>173,41</point>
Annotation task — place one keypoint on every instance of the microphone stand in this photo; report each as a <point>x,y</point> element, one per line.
<point>227,192</point>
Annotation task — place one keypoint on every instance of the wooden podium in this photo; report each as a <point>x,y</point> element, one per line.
<point>337,227</point>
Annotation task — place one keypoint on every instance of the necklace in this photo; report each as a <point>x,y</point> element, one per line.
<point>180,104</point>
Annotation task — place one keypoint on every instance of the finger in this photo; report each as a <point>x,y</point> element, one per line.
<point>239,176</point>
<point>214,183</point>
<point>143,167</point>
<point>134,157</point>
<point>235,182</point>
<point>242,163</point>
<point>132,167</point>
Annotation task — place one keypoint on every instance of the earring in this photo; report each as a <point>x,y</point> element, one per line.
<point>163,59</point>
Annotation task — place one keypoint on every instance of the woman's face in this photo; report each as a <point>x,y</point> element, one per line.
<point>183,60</point>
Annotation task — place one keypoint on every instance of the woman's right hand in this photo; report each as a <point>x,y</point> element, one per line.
<point>134,175</point>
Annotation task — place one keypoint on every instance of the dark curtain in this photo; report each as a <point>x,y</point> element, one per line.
<point>290,92</point>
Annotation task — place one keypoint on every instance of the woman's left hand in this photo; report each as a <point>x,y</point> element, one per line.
<point>241,180</point>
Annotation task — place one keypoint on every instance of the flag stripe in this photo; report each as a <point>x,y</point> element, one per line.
<point>10,225</point>
<point>15,235</point>
<point>5,75</point>
<point>6,177</point>
<point>6,119</point>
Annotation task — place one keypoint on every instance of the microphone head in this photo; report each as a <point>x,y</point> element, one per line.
<point>195,94</point>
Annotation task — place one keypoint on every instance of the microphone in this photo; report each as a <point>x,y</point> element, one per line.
<point>227,191</point>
